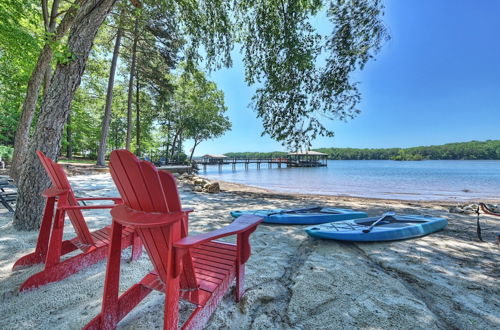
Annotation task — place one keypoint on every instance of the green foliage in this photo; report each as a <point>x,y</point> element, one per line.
<point>61,53</point>
<point>302,77</point>
<point>20,44</point>
<point>489,149</point>
<point>202,105</point>
<point>6,153</point>
<point>284,56</point>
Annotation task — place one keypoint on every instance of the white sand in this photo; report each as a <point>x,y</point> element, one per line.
<point>447,280</point>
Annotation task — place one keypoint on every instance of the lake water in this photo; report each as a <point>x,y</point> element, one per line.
<point>446,180</point>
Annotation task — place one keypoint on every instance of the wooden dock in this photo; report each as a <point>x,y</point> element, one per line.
<point>279,162</point>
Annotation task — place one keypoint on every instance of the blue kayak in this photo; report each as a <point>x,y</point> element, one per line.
<point>305,216</point>
<point>385,228</point>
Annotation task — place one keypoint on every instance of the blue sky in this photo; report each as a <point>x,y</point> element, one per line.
<point>436,81</point>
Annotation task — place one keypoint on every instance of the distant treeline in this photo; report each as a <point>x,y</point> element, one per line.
<point>489,149</point>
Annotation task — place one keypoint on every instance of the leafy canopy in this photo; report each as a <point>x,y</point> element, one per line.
<point>303,77</point>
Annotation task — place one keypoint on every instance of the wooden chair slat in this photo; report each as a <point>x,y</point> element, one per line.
<point>170,191</point>
<point>219,253</point>
<point>210,272</point>
<point>205,258</point>
<point>149,237</point>
<point>122,183</point>
<point>154,188</point>
<point>222,245</point>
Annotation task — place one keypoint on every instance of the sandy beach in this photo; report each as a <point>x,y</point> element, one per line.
<point>447,280</point>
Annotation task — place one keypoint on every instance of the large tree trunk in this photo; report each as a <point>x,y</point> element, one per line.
<point>28,111</point>
<point>46,80</point>
<point>42,68</point>
<point>54,112</point>
<point>101,153</point>
<point>131,85</point>
<point>138,119</point>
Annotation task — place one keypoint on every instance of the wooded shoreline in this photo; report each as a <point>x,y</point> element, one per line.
<point>472,150</point>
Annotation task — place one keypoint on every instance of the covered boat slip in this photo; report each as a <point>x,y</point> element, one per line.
<point>388,228</point>
<point>304,216</point>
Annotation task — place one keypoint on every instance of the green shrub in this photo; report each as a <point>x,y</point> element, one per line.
<point>6,153</point>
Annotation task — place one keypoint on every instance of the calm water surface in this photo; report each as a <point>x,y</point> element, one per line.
<point>410,180</point>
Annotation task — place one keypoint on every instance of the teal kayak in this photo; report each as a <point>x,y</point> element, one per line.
<point>305,216</point>
<point>385,228</point>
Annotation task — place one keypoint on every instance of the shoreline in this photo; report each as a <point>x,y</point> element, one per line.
<point>235,187</point>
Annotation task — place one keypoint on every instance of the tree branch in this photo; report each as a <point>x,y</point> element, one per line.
<point>53,15</point>
<point>45,14</point>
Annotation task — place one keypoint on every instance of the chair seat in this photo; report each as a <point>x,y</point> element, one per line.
<point>101,237</point>
<point>214,262</point>
<point>214,266</point>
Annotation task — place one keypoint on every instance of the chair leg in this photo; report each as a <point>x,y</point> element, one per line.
<point>112,281</point>
<point>171,315</point>
<point>64,269</point>
<point>42,243</point>
<point>55,243</point>
<point>240,282</point>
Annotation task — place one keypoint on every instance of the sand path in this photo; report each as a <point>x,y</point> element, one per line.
<point>447,280</point>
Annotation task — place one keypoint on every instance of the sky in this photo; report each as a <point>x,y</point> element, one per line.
<point>437,80</point>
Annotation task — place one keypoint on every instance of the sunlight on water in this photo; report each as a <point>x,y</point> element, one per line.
<point>424,180</point>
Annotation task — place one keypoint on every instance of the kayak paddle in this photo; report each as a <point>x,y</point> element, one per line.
<point>386,214</point>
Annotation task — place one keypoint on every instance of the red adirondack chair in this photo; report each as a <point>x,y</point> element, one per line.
<point>50,247</point>
<point>195,268</point>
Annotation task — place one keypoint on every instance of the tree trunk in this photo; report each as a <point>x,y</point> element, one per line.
<point>28,111</point>
<point>179,147</point>
<point>69,139</point>
<point>46,79</point>
<point>131,85</point>
<point>101,153</point>
<point>174,143</point>
<point>54,112</point>
<point>167,149</point>
<point>42,68</point>
<point>137,120</point>
<point>192,150</point>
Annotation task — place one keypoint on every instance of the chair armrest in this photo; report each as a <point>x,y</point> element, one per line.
<point>116,200</point>
<point>129,217</point>
<point>85,207</point>
<point>187,210</point>
<point>238,226</point>
<point>54,192</point>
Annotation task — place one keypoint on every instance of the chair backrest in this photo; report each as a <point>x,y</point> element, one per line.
<point>143,188</point>
<point>60,180</point>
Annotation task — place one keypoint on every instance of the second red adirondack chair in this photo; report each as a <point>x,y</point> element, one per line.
<point>197,268</point>
<point>50,246</point>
